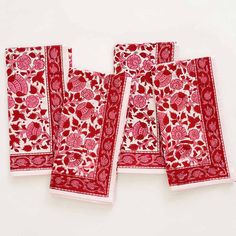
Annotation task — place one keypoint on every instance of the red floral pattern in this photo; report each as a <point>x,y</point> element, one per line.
<point>191,133</point>
<point>141,143</point>
<point>35,94</point>
<point>81,123</point>
<point>85,149</point>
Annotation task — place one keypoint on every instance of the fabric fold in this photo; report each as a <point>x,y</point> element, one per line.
<point>90,136</point>
<point>141,150</point>
<point>35,94</point>
<point>190,126</point>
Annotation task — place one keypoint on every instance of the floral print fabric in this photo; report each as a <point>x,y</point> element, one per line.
<point>78,123</point>
<point>85,158</point>
<point>140,150</point>
<point>35,95</point>
<point>189,122</point>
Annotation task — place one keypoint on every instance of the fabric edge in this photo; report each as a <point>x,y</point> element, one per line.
<point>83,197</point>
<point>30,172</point>
<point>200,184</point>
<point>141,171</point>
<point>121,126</point>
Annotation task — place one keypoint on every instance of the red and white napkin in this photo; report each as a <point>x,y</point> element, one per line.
<point>35,94</point>
<point>189,122</point>
<point>90,135</point>
<point>141,150</point>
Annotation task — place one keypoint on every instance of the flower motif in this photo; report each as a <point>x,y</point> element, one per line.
<point>87,94</point>
<point>76,84</point>
<point>181,175</point>
<point>75,183</point>
<point>139,101</point>
<point>147,65</point>
<point>53,68</point>
<point>56,100</point>
<point>209,110</point>
<point>33,130</point>
<point>74,160</point>
<point>161,117</point>
<point>114,97</point>
<point>128,159</point>
<point>53,53</point>
<point>39,160</point>
<point>55,84</point>
<point>194,134</point>
<point>112,114</point>
<point>89,144</point>
<point>178,132</point>
<point>22,162</point>
<point>140,130</point>
<point>107,145</point>
<point>104,160</point>
<point>85,110</point>
<point>117,82</point>
<point>202,62</point>
<point>32,101</point>
<point>11,102</point>
<point>38,64</point>
<point>179,101</point>
<point>214,142</point>
<point>191,68</point>
<point>197,173</point>
<point>74,140</point>
<point>212,125</point>
<point>212,171</point>
<point>195,97</point>
<point>102,176</point>
<point>203,77</point>
<point>59,180</point>
<point>207,95</point>
<point>18,85</point>
<point>64,121</point>
<point>133,61</point>
<point>145,159</point>
<point>218,156</point>
<point>101,110</point>
<point>23,62</point>
<point>165,53</point>
<point>57,115</point>
<point>183,151</point>
<point>176,84</point>
<point>162,79</point>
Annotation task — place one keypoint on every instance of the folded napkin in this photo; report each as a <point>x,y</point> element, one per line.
<point>189,122</point>
<point>90,136</point>
<point>141,150</point>
<point>35,94</point>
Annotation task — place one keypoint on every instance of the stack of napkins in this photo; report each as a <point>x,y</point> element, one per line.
<point>152,115</point>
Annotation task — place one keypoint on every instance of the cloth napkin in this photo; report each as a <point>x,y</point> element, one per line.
<point>90,135</point>
<point>141,150</point>
<point>189,122</point>
<point>35,94</point>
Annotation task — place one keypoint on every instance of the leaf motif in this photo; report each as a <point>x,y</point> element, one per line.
<point>18,115</point>
<point>139,115</point>
<point>141,89</point>
<point>38,77</point>
<point>27,148</point>
<point>75,122</point>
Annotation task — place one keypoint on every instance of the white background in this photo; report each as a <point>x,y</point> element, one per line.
<point>144,204</point>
